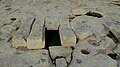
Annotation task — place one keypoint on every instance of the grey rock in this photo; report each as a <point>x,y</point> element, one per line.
<point>85,26</point>
<point>117,49</point>
<point>21,35</point>
<point>99,60</point>
<point>33,58</point>
<point>67,36</point>
<point>61,62</point>
<point>59,51</point>
<point>51,22</point>
<point>36,39</point>
<point>107,44</point>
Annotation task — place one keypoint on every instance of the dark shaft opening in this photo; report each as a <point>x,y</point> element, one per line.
<point>52,38</point>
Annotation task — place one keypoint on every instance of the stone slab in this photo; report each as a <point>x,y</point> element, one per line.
<point>107,44</point>
<point>51,22</point>
<point>36,39</point>
<point>67,36</point>
<point>39,58</point>
<point>81,59</point>
<point>59,51</point>
<point>86,26</point>
<point>23,32</point>
<point>61,62</point>
<point>81,11</point>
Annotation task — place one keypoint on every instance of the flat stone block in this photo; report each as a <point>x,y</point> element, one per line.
<point>59,51</point>
<point>36,39</point>
<point>51,23</point>
<point>20,37</point>
<point>67,36</point>
<point>61,62</point>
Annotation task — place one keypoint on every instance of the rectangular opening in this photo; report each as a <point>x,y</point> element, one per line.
<point>52,38</point>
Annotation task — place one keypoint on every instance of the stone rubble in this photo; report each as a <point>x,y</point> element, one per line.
<point>89,32</point>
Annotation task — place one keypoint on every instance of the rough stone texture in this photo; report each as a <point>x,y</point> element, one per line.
<point>85,49</point>
<point>30,59</point>
<point>61,62</point>
<point>113,25</point>
<point>102,45</point>
<point>107,44</point>
<point>85,26</point>
<point>79,11</point>
<point>64,21</point>
<point>90,21</point>
<point>99,60</point>
<point>117,49</point>
<point>19,40</point>
<point>69,58</point>
<point>36,39</point>
<point>11,26</point>
<point>51,23</point>
<point>59,51</point>
<point>67,36</point>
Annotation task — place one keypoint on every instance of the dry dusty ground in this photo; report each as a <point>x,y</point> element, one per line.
<point>59,33</point>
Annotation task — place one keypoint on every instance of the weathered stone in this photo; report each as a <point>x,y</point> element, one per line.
<point>51,22</point>
<point>101,60</point>
<point>113,25</point>
<point>82,53</point>
<point>8,29</point>
<point>107,44</point>
<point>77,3</point>
<point>61,62</point>
<point>67,36</point>
<point>117,49</point>
<point>85,49</point>
<point>102,45</point>
<point>21,35</point>
<point>59,51</point>
<point>83,59</point>
<point>82,31</point>
<point>38,58</point>
<point>64,21</point>
<point>11,26</point>
<point>81,11</point>
<point>116,32</point>
<point>69,58</point>
<point>85,26</point>
<point>36,39</point>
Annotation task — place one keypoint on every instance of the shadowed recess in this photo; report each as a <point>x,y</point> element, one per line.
<point>85,51</point>
<point>94,14</point>
<point>13,19</point>
<point>113,55</point>
<point>52,38</point>
<point>112,36</point>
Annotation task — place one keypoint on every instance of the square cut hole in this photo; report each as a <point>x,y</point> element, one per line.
<point>52,38</point>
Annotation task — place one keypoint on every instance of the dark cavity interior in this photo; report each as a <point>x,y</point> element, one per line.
<point>85,51</point>
<point>52,38</point>
<point>112,36</point>
<point>94,14</point>
<point>113,55</point>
